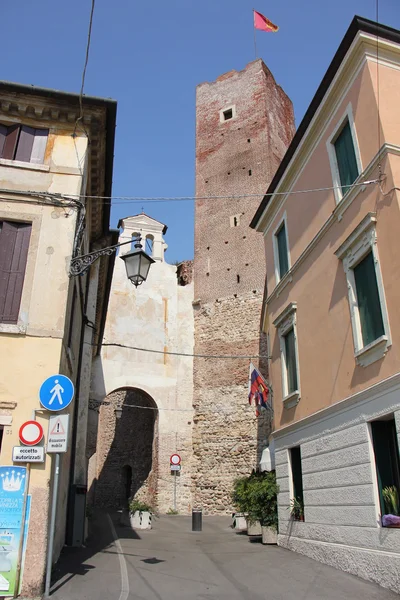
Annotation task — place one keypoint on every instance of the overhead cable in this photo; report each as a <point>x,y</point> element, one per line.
<point>80,118</point>
<point>151,199</point>
<point>229,356</point>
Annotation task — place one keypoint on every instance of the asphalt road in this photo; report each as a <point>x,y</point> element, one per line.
<point>170,562</point>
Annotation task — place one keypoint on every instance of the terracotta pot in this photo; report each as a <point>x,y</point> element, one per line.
<point>269,535</point>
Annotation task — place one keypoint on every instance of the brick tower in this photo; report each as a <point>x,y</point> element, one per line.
<point>244,123</point>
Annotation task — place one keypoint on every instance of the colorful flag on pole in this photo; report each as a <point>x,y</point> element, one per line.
<point>258,390</point>
<point>261,22</point>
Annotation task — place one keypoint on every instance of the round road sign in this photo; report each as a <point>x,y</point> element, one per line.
<point>30,433</point>
<point>56,392</point>
<point>175,459</point>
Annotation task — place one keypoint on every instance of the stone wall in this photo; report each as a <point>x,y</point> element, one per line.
<point>227,436</point>
<point>234,157</point>
<point>128,441</point>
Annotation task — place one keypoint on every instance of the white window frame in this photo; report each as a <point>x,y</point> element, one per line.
<point>330,145</point>
<point>283,221</point>
<point>359,243</point>
<point>284,323</point>
<point>223,110</point>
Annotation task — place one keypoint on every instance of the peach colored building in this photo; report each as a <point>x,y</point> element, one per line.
<point>331,311</point>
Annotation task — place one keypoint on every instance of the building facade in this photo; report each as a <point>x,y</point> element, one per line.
<point>130,455</point>
<point>331,312</point>
<point>244,123</point>
<point>46,164</point>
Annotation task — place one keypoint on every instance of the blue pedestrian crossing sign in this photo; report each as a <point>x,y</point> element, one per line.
<point>56,392</point>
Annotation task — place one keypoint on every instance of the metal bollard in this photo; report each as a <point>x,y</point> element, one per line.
<point>197,520</point>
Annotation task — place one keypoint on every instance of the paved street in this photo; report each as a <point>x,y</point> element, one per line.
<point>170,562</point>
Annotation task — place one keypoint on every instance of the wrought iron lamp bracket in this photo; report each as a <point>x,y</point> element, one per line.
<point>81,264</point>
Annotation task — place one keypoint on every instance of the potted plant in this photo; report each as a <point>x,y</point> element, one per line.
<point>297,509</point>
<point>240,501</point>
<point>140,514</point>
<point>392,506</point>
<point>263,506</point>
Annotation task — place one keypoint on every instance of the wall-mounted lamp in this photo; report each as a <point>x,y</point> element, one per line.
<point>137,262</point>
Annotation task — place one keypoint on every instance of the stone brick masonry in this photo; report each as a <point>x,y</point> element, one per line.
<point>237,157</point>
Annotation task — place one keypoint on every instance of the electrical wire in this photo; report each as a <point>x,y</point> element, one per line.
<point>216,356</point>
<point>80,118</point>
<point>151,199</point>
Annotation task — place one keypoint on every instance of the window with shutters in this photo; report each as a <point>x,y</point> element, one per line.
<point>346,158</point>
<point>281,250</point>
<point>368,312</point>
<point>344,155</point>
<point>23,143</point>
<point>286,324</point>
<point>14,245</point>
<point>387,464</point>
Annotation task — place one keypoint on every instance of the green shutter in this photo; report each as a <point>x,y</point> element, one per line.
<point>290,351</point>
<point>346,158</point>
<point>369,305</point>
<point>282,251</point>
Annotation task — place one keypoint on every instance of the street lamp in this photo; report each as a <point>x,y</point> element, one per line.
<point>118,412</point>
<point>137,262</point>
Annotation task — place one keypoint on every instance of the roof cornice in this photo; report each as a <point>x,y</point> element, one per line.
<point>359,42</point>
<point>54,109</point>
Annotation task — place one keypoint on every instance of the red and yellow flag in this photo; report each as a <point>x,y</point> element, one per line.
<point>261,22</point>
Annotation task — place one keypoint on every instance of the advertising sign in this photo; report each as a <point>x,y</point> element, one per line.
<point>12,488</point>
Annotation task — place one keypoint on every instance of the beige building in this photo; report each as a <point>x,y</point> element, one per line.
<point>331,311</point>
<point>50,322</point>
<point>138,378</point>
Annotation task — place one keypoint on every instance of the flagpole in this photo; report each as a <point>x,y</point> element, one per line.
<point>255,39</point>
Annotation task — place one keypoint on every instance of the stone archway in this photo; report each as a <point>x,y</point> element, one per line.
<point>127,449</point>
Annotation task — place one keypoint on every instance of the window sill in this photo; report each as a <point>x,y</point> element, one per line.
<point>282,283</point>
<point>291,399</point>
<point>9,328</point>
<point>373,352</point>
<point>19,164</point>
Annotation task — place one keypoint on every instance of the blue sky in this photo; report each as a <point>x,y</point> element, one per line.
<point>150,56</point>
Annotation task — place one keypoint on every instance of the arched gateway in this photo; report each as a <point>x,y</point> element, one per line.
<point>127,449</point>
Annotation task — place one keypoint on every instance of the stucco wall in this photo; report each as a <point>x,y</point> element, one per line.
<point>31,351</point>
<point>317,281</point>
<point>158,315</point>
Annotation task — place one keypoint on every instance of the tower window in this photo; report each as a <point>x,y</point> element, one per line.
<point>227,113</point>
<point>235,220</point>
<point>249,171</point>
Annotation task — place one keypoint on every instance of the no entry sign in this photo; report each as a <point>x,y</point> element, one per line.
<point>30,433</point>
<point>175,459</point>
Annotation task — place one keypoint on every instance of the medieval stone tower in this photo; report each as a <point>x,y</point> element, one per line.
<point>244,123</point>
